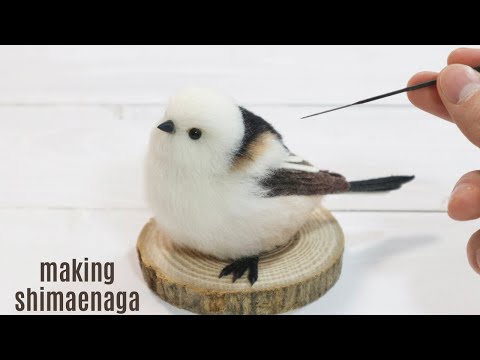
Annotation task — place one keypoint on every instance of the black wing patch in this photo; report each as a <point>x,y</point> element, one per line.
<point>288,182</point>
<point>254,127</point>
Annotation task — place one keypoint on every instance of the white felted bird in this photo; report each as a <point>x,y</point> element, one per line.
<point>220,181</point>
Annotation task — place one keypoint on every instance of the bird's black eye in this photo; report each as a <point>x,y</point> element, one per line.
<point>195,134</point>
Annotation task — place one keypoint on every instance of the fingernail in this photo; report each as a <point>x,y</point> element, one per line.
<point>459,82</point>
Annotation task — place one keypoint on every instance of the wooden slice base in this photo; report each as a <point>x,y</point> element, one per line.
<point>289,277</point>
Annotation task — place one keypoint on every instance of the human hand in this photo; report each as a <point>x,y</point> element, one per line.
<point>457,99</point>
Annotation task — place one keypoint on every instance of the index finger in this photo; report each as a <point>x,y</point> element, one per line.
<point>470,57</point>
<point>428,99</point>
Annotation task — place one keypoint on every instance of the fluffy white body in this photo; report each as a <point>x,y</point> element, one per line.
<point>201,199</point>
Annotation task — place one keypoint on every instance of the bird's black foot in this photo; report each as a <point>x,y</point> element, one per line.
<point>239,267</point>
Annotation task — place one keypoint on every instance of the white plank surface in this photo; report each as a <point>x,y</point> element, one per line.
<point>255,74</point>
<point>394,263</point>
<point>74,125</point>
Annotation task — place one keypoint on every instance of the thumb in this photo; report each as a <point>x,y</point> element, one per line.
<point>459,88</point>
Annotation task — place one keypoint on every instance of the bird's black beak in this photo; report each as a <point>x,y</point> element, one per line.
<point>167,126</point>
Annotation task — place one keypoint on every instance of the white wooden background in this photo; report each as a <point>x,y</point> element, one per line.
<point>74,122</point>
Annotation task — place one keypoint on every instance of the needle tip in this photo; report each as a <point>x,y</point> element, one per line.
<point>309,116</point>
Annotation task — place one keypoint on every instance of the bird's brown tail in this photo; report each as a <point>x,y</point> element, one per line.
<point>379,185</point>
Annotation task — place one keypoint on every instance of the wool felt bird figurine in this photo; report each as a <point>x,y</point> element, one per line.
<point>221,181</point>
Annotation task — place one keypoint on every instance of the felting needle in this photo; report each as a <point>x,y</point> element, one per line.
<point>407,89</point>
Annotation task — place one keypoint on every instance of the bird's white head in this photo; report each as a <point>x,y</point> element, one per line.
<point>200,131</point>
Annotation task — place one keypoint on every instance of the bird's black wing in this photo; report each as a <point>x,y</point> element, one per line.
<point>298,177</point>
